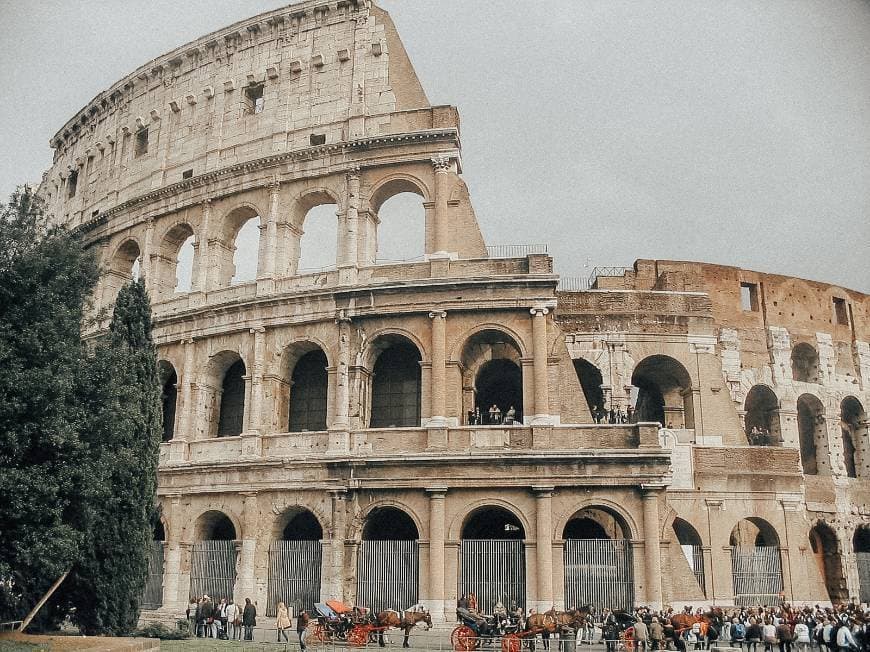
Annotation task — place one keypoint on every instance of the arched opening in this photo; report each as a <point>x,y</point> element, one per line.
<point>123,268</point>
<point>168,397</point>
<point>401,228</point>
<point>762,417</point>
<point>853,423</point>
<point>756,566</point>
<point>237,249</point>
<point>231,417</point>
<point>318,243</point>
<point>492,558</point>
<point>388,563</point>
<point>213,557</point>
<point>174,265</point>
<point>398,231</point>
<point>690,543</point>
<point>152,594</point>
<point>590,380</point>
<point>812,432</point>
<point>823,543</point>
<point>295,560</point>
<point>308,393</point>
<point>664,392</point>
<point>598,559</point>
<point>395,384</point>
<point>861,548</point>
<point>246,252</point>
<point>492,379</point>
<point>805,363</point>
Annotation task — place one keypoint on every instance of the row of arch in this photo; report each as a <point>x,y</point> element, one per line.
<point>314,242</point>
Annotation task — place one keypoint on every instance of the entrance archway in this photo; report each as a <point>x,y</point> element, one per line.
<point>861,548</point>
<point>295,559</point>
<point>491,376</point>
<point>396,384</point>
<point>756,566</point>
<point>690,543</point>
<point>812,431</point>
<point>823,543</point>
<point>492,558</point>
<point>213,556</point>
<point>761,422</point>
<point>598,562</point>
<point>388,563</point>
<point>308,393</point>
<point>152,595</point>
<point>664,392</point>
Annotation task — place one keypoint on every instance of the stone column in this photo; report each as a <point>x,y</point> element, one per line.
<point>441,228</point>
<point>652,547</point>
<point>332,575</point>
<point>145,268</point>
<point>246,548</point>
<point>544,545</point>
<point>178,446</point>
<point>172,556</point>
<point>439,368</point>
<point>436,601</point>
<point>539,364</point>
<point>349,251</point>
<point>267,261</point>
<point>255,421</point>
<point>339,430</point>
<point>202,252</point>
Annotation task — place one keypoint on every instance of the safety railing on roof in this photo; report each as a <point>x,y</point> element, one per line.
<point>515,250</point>
<point>581,283</point>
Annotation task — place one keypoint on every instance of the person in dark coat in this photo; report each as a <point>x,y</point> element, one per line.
<point>249,619</point>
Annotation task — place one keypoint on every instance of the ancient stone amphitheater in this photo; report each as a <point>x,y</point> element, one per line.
<point>321,437</point>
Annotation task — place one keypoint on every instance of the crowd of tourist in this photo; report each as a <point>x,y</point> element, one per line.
<point>613,415</point>
<point>492,417</point>
<point>224,619</point>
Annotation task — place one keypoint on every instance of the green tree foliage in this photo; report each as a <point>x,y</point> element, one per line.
<point>121,396</point>
<point>46,277</point>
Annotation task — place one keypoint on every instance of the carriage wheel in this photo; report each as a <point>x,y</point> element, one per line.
<point>358,636</point>
<point>629,639</point>
<point>463,639</point>
<point>317,635</point>
<point>511,643</point>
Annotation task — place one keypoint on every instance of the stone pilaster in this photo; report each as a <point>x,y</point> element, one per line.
<point>246,548</point>
<point>539,365</point>
<point>350,236</point>
<point>255,420</point>
<point>147,253</point>
<point>339,429</point>
<point>544,545</point>
<point>332,571</point>
<point>652,547</point>
<point>172,601</point>
<point>441,228</point>
<point>203,255</point>
<point>439,368</point>
<point>436,602</point>
<point>269,231</point>
<point>178,446</point>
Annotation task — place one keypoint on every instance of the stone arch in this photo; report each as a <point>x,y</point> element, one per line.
<point>227,251</point>
<point>664,392</point>
<point>805,363</point>
<point>617,510</point>
<point>591,379</point>
<point>123,267</point>
<point>490,521</point>
<point>385,521</point>
<point>315,231</point>
<point>396,382</point>
<point>812,434</point>
<point>761,420</point>
<point>226,391</point>
<point>825,548</point>
<point>297,523</point>
<point>168,397</point>
<point>459,520</point>
<point>394,184</point>
<point>753,531</point>
<point>216,525</point>
<point>691,545</point>
<point>402,232</point>
<point>853,424</point>
<point>309,392</point>
<point>381,339</point>
<point>460,342</point>
<point>595,521</point>
<point>492,374</point>
<point>173,265</point>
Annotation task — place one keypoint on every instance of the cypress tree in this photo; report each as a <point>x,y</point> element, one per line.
<point>46,277</point>
<point>123,428</point>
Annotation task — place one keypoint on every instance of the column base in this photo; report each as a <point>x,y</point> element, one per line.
<point>339,441</point>
<point>265,286</point>
<point>252,444</point>
<point>348,274</point>
<point>179,451</point>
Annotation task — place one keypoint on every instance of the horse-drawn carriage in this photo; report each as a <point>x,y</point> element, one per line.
<point>336,621</point>
<point>485,631</point>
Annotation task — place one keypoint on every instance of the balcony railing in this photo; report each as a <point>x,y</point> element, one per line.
<point>582,283</point>
<point>514,250</point>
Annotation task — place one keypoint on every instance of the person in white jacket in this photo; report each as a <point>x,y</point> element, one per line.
<point>233,631</point>
<point>845,640</point>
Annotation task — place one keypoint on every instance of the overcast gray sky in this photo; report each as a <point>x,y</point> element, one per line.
<point>734,132</point>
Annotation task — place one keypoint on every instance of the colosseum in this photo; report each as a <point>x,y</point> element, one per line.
<point>395,432</point>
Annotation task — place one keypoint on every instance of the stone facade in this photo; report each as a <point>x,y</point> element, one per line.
<point>317,103</point>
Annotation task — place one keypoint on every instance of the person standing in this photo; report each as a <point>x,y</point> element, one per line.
<point>233,620</point>
<point>784,635</point>
<point>282,622</point>
<point>192,608</point>
<point>302,628</point>
<point>249,619</point>
<point>641,635</point>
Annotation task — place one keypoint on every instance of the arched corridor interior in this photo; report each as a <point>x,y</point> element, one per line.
<point>664,392</point>
<point>396,385</point>
<point>861,548</point>
<point>756,564</point>
<point>805,363</point>
<point>590,380</point>
<point>829,563</point>
<point>811,431</point>
<point>309,393</point>
<point>690,543</point>
<point>856,440</point>
<point>232,401</point>
<point>762,417</point>
<point>168,397</point>
<point>492,379</point>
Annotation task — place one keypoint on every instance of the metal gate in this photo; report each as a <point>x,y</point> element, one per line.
<point>494,570</point>
<point>695,556</point>
<point>213,569</point>
<point>152,595</point>
<point>294,575</point>
<point>756,572</point>
<point>599,572</point>
<point>388,575</point>
<point>862,559</point>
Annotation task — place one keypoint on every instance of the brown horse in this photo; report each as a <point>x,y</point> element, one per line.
<point>552,620</point>
<point>405,621</point>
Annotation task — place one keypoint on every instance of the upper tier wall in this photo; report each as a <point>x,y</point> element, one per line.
<point>328,72</point>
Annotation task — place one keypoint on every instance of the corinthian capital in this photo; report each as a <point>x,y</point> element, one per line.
<point>441,163</point>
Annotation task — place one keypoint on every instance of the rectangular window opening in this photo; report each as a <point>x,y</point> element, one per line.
<point>141,142</point>
<point>255,102</point>
<point>317,139</point>
<point>840,313</point>
<point>187,174</point>
<point>72,182</point>
<point>749,297</point>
